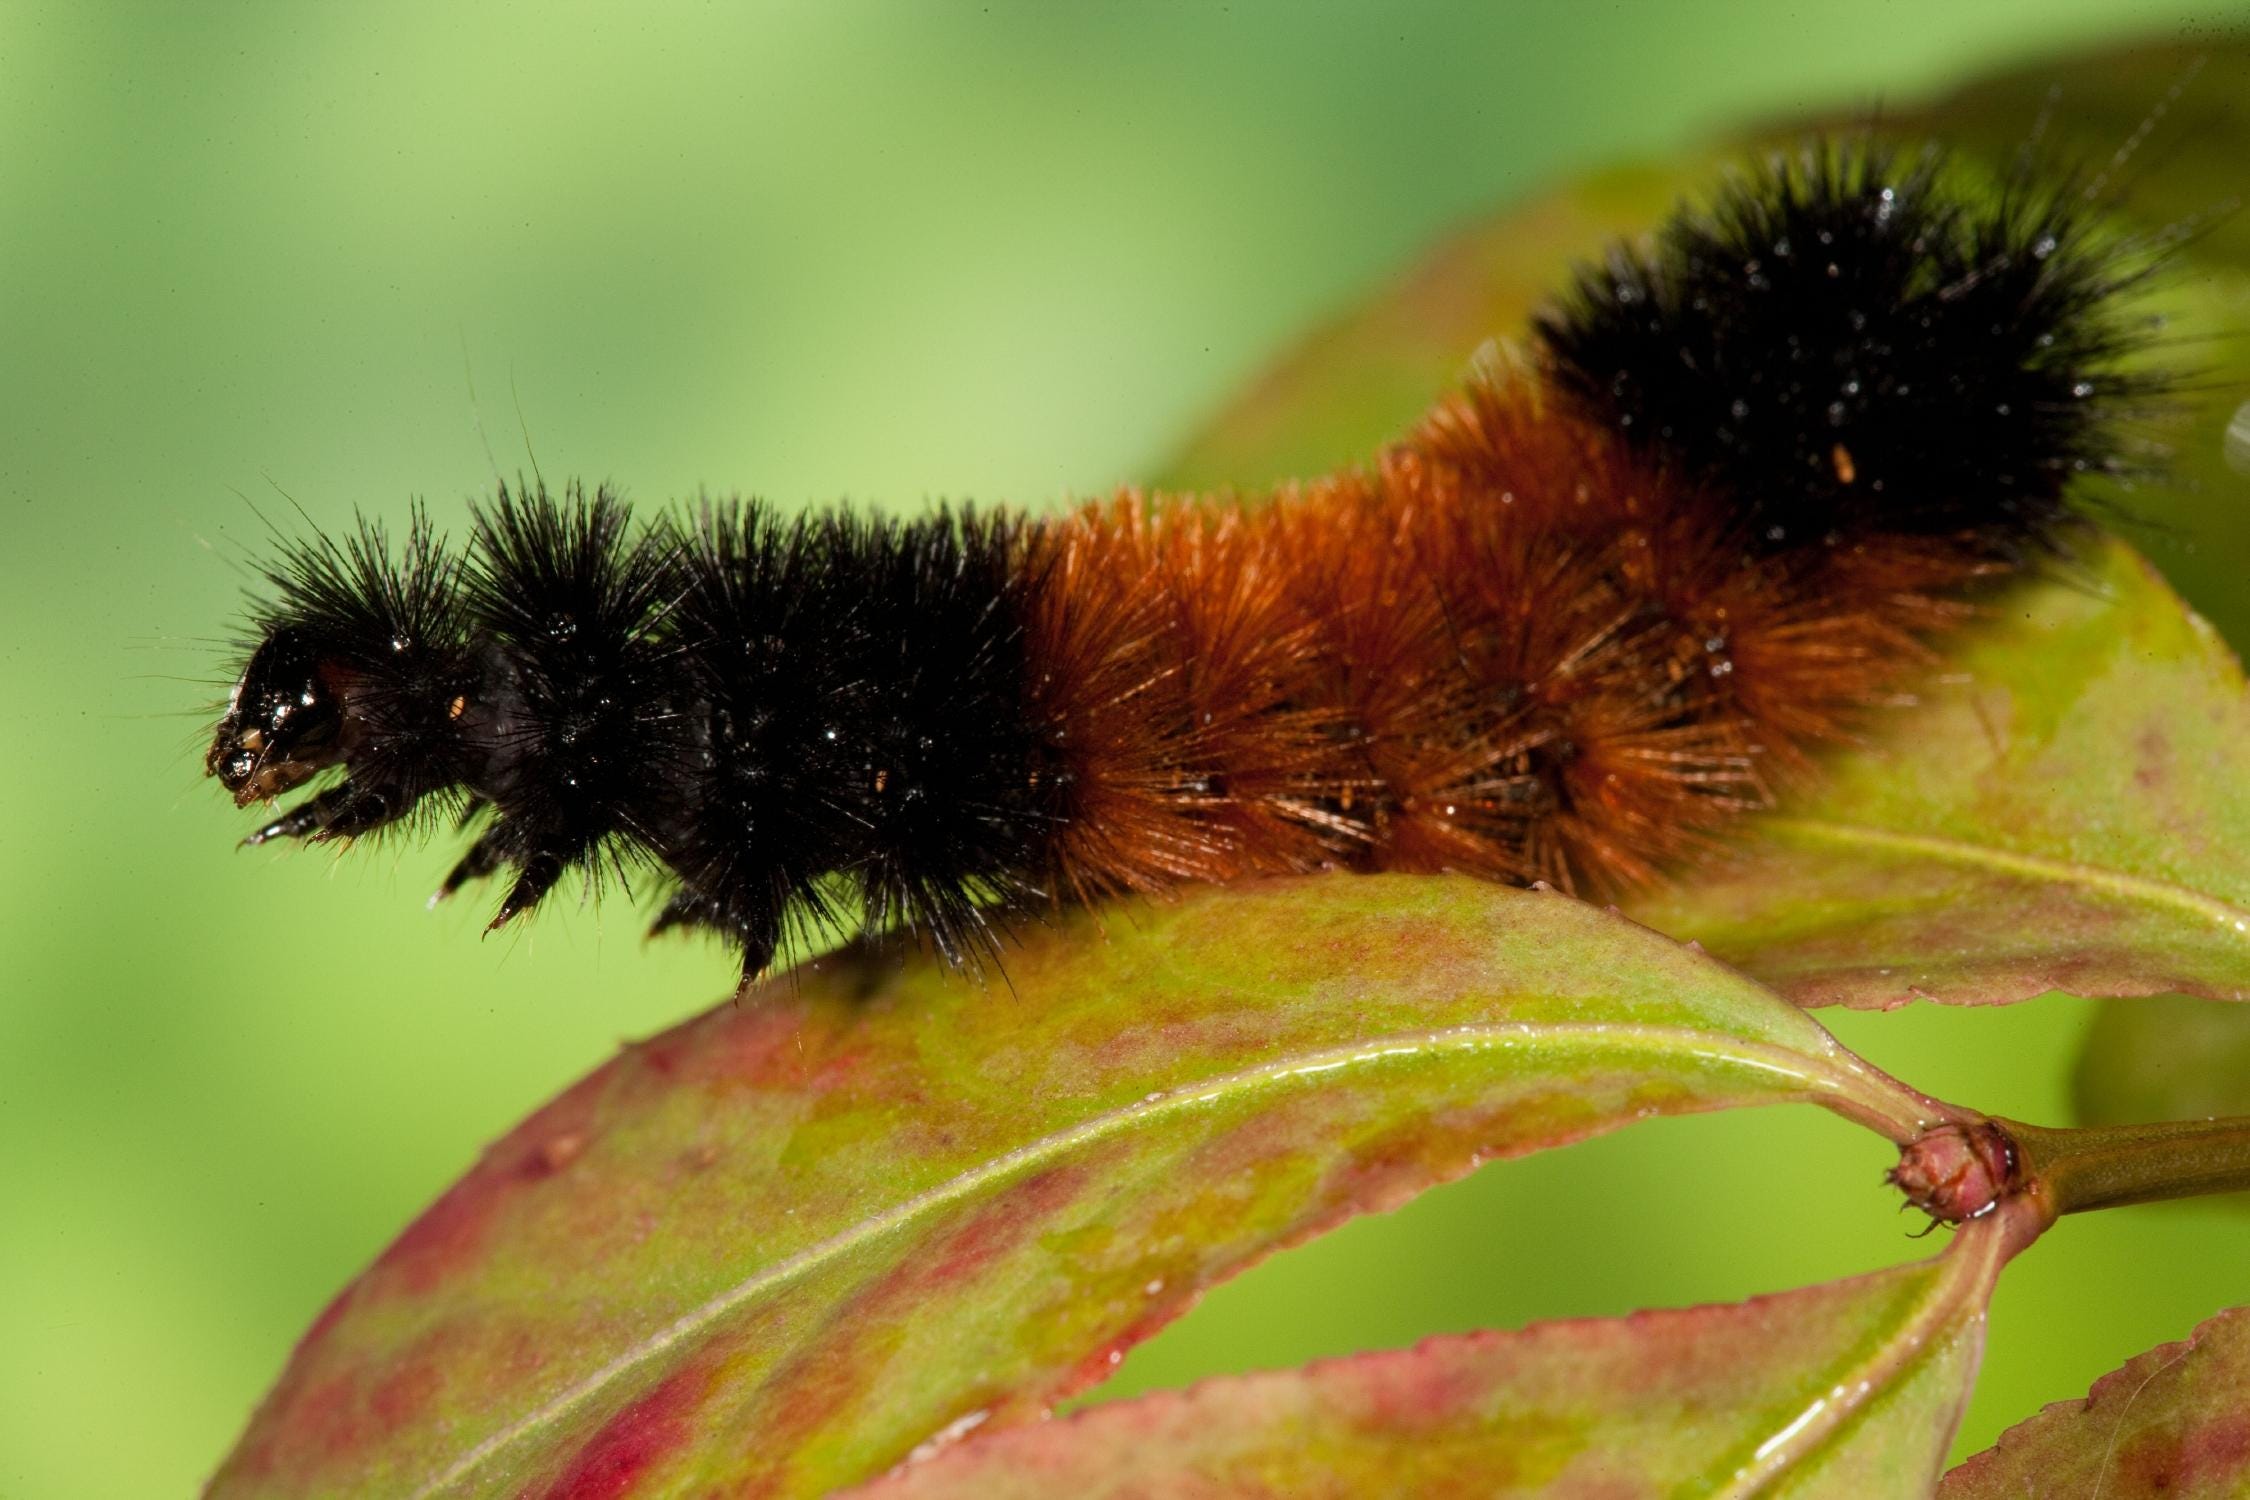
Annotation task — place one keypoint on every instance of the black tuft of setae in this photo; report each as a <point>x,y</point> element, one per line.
<point>861,682</point>
<point>1846,342</point>
<point>583,740</point>
<point>793,717</point>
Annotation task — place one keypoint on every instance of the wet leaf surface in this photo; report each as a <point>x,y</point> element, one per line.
<point>2171,1423</point>
<point>773,1250</point>
<point>1851,1389</point>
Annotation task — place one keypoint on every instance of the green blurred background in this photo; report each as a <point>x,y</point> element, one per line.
<point>269,258</point>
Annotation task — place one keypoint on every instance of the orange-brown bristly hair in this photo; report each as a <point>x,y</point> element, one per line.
<point>1510,647</point>
<point>1615,591</point>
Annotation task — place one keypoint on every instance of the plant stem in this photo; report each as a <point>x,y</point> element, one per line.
<point>2102,1166</point>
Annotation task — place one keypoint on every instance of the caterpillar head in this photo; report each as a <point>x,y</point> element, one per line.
<point>285,722</point>
<point>358,658</point>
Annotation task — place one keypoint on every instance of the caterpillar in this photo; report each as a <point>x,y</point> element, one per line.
<point>1615,591</point>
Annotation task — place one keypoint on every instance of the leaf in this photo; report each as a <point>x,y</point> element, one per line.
<point>1850,1389</point>
<point>2174,1422</point>
<point>2074,814</point>
<point>774,1249</point>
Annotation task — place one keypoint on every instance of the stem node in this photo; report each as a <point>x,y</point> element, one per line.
<point>1963,1169</point>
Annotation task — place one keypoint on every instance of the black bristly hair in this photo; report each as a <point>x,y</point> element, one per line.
<point>767,611</point>
<point>862,686</point>
<point>956,807</point>
<point>780,711</point>
<point>580,718</point>
<point>1846,342</point>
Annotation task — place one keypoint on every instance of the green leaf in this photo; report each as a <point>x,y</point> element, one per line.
<point>2074,811</point>
<point>2072,814</point>
<point>1850,1389</point>
<point>2172,1423</point>
<point>792,1239</point>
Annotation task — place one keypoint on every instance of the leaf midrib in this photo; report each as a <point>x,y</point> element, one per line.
<point>1821,1075</point>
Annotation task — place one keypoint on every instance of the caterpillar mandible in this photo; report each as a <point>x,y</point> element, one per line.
<point>1602,599</point>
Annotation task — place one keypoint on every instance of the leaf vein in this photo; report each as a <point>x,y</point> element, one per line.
<point>2142,888</point>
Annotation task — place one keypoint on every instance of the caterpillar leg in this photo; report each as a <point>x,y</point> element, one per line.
<point>686,909</point>
<point>484,856</point>
<point>757,954</point>
<point>760,941</point>
<point>540,872</point>
<point>339,812</point>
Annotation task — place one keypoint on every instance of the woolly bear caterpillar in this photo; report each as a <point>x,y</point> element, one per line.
<point>1594,605</point>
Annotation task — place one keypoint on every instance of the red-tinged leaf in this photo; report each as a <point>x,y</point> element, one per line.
<point>1852,1389</point>
<point>2172,1423</point>
<point>771,1251</point>
<point>2069,807</point>
<point>2072,814</point>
